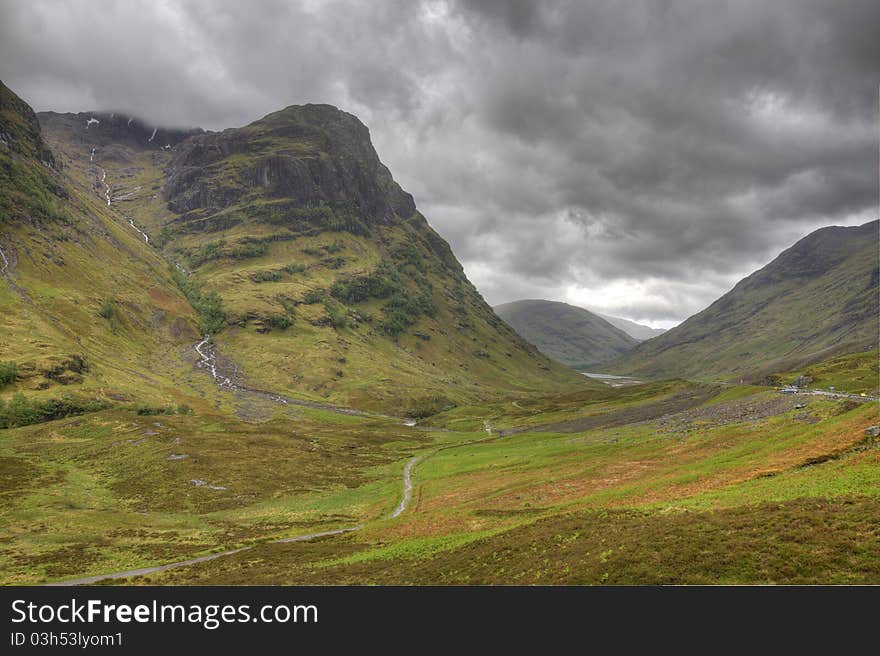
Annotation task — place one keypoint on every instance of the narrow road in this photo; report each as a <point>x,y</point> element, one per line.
<point>143,571</point>
<point>407,487</point>
<point>209,361</point>
<point>401,507</point>
<point>89,580</point>
<point>838,395</point>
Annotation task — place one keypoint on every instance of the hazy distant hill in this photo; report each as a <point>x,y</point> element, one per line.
<point>631,328</point>
<point>817,299</point>
<point>569,334</point>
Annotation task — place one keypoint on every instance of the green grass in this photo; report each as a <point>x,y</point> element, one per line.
<point>725,503</point>
<point>477,496</point>
<point>77,483</point>
<point>855,373</point>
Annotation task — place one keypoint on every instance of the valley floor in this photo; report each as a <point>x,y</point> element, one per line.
<point>670,482</point>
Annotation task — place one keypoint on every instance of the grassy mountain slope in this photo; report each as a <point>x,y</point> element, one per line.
<point>571,335</point>
<point>322,279</point>
<point>817,299</point>
<point>635,330</point>
<point>86,309</point>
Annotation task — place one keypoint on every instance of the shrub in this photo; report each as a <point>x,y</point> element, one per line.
<point>205,253</point>
<point>8,372</point>
<point>184,409</point>
<point>245,250</point>
<point>28,190</point>
<point>279,321</point>
<point>108,309</point>
<point>266,276</point>
<point>427,406</point>
<point>147,410</point>
<point>333,262</point>
<point>382,283</point>
<point>294,268</point>
<point>22,411</point>
<point>343,219</point>
<point>404,306</point>
<point>313,296</point>
<point>337,316</point>
<point>409,253</point>
<point>333,248</point>
<point>403,310</point>
<point>288,304</point>
<point>164,237</point>
<point>208,306</point>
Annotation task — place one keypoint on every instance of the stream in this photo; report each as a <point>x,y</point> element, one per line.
<point>107,195</point>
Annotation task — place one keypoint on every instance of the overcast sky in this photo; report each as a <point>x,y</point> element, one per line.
<point>634,157</point>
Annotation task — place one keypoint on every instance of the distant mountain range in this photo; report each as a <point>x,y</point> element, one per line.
<point>631,328</point>
<point>817,299</point>
<point>569,334</point>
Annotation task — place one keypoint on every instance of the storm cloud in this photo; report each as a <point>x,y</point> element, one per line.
<point>638,158</point>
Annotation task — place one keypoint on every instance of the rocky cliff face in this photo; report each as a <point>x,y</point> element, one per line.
<point>20,129</point>
<point>312,155</point>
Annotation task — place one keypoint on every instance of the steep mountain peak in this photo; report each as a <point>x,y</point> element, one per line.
<point>315,114</point>
<point>309,156</point>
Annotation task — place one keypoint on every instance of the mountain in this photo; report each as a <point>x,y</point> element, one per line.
<point>571,335</point>
<point>87,311</point>
<point>635,330</point>
<point>311,269</point>
<point>816,300</point>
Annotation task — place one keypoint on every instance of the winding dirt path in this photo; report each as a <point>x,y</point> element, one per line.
<point>143,571</point>
<point>405,500</point>
<point>89,580</point>
<point>209,361</point>
<point>407,487</point>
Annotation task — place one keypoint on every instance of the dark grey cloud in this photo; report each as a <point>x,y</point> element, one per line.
<point>637,157</point>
